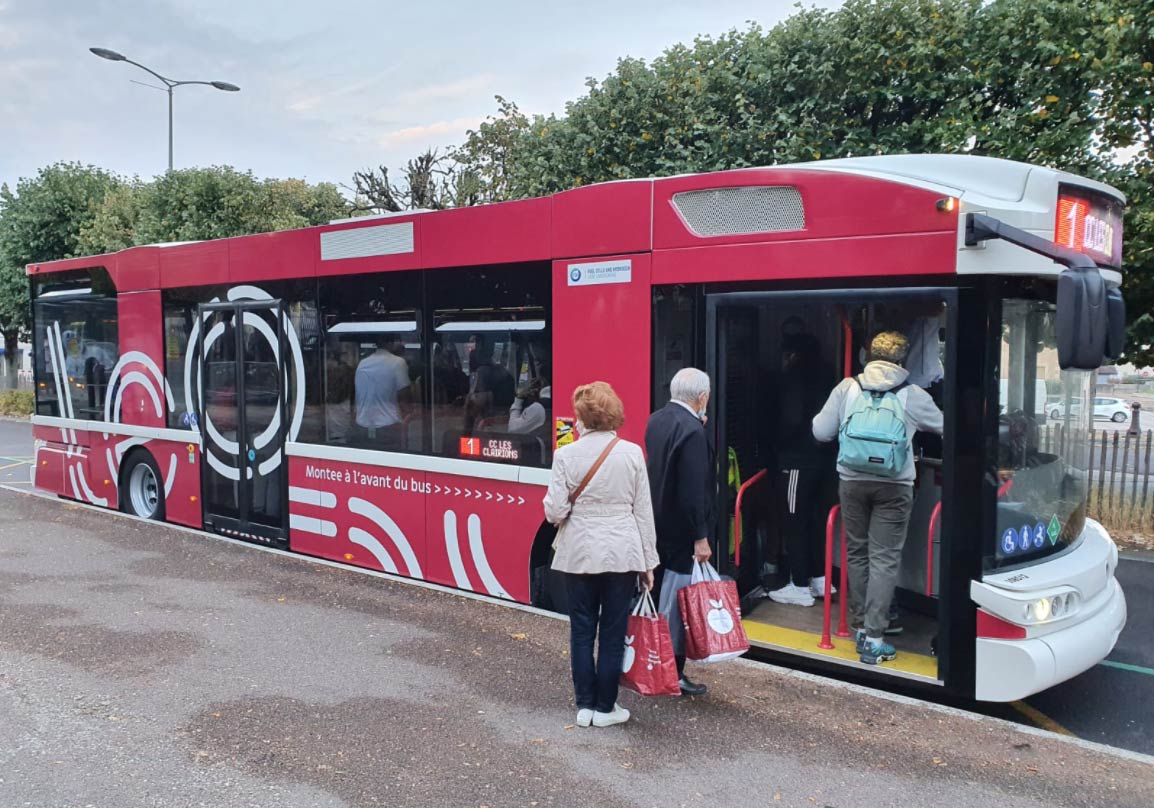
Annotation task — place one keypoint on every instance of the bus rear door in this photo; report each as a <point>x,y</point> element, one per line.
<point>242,420</point>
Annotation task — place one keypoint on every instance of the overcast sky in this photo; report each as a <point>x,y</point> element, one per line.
<point>326,87</point>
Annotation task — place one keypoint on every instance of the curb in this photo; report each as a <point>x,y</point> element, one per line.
<point>804,676</point>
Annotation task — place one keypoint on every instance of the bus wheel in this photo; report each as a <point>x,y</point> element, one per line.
<point>141,490</point>
<point>547,590</point>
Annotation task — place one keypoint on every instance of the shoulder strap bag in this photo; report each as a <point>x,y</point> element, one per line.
<point>580,489</point>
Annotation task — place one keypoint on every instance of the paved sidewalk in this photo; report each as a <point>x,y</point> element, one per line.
<point>142,665</point>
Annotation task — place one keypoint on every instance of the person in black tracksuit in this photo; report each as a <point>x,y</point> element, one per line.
<point>802,464</point>
<point>682,481</point>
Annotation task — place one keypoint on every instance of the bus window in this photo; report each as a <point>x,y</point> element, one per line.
<point>75,323</point>
<point>491,389</point>
<point>1041,467</point>
<point>373,368</point>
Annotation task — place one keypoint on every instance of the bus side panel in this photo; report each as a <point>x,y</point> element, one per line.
<point>138,388</point>
<point>48,468</point>
<point>93,475</point>
<point>467,532</point>
<point>368,516</point>
<point>879,257</point>
<point>481,533</point>
<point>601,332</point>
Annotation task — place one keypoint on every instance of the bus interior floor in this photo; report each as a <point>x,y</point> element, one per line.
<point>799,629</point>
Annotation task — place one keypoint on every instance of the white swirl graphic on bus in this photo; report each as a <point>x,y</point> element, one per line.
<point>223,454</point>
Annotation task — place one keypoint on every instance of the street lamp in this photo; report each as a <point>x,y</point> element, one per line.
<point>169,84</point>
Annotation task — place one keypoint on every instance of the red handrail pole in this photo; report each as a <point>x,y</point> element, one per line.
<point>737,515</point>
<point>1005,487</point>
<point>937,512</point>
<point>843,624</point>
<point>830,521</point>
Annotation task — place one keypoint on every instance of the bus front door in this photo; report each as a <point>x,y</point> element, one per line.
<point>242,423</point>
<point>774,357</point>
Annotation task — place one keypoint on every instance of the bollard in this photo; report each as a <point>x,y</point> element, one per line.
<point>1135,416</point>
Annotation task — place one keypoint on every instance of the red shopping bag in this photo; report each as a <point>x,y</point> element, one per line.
<point>648,666</point>
<point>711,611</point>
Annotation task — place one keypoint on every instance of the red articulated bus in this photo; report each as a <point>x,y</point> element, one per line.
<point>387,392</point>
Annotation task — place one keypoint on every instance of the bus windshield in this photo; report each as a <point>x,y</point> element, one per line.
<point>1043,439</point>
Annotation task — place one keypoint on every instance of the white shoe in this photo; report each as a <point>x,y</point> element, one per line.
<point>584,717</point>
<point>619,716</point>
<point>792,595</point>
<point>817,587</point>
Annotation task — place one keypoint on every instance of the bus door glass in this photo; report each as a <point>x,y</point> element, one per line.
<point>242,424</point>
<point>774,359</point>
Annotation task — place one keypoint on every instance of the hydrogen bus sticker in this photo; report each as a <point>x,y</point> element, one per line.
<point>1055,529</point>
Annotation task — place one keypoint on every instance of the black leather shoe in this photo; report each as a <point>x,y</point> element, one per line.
<point>689,688</point>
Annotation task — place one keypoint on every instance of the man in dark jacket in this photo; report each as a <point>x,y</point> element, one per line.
<point>679,479</point>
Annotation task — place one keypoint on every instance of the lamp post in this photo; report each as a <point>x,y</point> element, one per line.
<point>169,84</point>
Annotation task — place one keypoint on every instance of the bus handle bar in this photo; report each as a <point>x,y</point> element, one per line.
<point>934,516</point>
<point>843,626</point>
<point>737,514</point>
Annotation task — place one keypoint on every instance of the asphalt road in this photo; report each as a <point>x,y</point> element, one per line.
<point>15,452</point>
<point>143,665</point>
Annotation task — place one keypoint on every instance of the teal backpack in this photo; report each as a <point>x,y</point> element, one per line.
<point>873,438</point>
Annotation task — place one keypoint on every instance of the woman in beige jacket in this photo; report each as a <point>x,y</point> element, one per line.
<point>606,546</point>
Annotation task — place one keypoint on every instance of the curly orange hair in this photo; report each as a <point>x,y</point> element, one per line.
<point>598,407</point>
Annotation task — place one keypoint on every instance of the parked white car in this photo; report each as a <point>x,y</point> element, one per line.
<point>1105,409</point>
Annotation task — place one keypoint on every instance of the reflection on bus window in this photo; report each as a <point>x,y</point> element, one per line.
<point>1041,465</point>
<point>491,391</point>
<point>373,365</point>
<point>75,321</point>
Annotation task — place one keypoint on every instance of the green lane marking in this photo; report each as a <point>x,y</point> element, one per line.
<point>1123,666</point>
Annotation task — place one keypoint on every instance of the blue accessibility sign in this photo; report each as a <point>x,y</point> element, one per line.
<point>1009,541</point>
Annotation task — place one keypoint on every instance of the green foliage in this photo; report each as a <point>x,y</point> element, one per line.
<point>1012,78</point>
<point>206,203</point>
<point>40,220</point>
<point>486,159</point>
<point>16,402</point>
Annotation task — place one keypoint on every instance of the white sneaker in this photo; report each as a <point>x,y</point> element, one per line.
<point>619,716</point>
<point>817,587</point>
<point>792,595</point>
<point>584,717</point>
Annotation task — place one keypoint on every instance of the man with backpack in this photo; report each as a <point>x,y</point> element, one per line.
<point>874,417</point>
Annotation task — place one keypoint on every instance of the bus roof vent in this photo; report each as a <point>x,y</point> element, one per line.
<point>744,209</point>
<point>361,242</point>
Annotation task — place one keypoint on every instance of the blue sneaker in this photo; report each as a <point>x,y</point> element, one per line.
<point>872,654</point>
<point>859,640</point>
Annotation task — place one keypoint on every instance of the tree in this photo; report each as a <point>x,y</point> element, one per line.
<point>487,156</point>
<point>1128,114</point>
<point>430,181</point>
<point>206,203</point>
<point>40,220</point>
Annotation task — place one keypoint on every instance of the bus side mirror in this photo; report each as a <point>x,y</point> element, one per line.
<point>1116,331</point>
<point>1082,319</point>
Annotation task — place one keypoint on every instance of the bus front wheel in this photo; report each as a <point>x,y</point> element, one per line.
<point>141,488</point>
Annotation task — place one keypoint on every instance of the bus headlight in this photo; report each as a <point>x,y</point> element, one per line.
<point>1053,607</point>
<point>1038,611</point>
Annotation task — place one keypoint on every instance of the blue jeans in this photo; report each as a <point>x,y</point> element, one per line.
<point>598,604</point>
